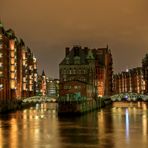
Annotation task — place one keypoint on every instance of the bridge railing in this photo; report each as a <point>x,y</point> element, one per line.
<point>129,97</point>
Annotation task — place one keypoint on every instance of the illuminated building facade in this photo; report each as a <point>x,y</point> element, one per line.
<point>53,88</point>
<point>42,84</point>
<point>18,67</point>
<point>104,71</point>
<point>131,80</point>
<point>87,72</point>
<point>145,72</point>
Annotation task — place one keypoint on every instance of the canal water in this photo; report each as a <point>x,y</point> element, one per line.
<point>40,127</point>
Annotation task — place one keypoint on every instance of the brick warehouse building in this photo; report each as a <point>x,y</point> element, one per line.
<point>131,80</point>
<point>145,72</point>
<point>86,72</point>
<point>18,67</point>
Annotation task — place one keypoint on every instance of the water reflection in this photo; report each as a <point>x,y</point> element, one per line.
<point>29,128</point>
<point>112,127</point>
<point>127,124</point>
<point>105,129</point>
<point>79,131</point>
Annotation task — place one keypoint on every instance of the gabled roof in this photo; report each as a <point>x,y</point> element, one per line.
<point>90,55</point>
<point>76,53</point>
<point>84,55</point>
<point>11,34</point>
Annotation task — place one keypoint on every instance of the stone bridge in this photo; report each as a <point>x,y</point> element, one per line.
<point>39,99</point>
<point>129,97</point>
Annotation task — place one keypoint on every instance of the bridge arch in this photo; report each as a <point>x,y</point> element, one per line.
<point>129,97</point>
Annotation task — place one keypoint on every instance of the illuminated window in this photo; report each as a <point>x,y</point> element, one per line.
<point>35,79</point>
<point>12,61</point>
<point>12,75</point>
<point>30,67</point>
<point>1,73</point>
<point>30,88</point>
<point>12,84</point>
<point>34,59</point>
<point>24,79</point>
<point>30,77</point>
<point>24,86</point>
<point>35,66</point>
<point>12,68</point>
<point>24,62</point>
<point>35,75</point>
<point>1,64</point>
<point>1,55</point>
<point>15,57</point>
<point>1,86</point>
<point>30,82</point>
<point>12,54</point>
<point>24,56</point>
<point>12,44</point>
<point>75,87</point>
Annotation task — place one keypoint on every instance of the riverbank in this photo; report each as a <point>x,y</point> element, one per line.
<point>81,107</point>
<point>139,104</point>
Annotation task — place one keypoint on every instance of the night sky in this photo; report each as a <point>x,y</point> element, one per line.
<point>48,26</point>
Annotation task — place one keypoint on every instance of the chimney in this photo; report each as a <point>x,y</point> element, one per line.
<point>67,51</point>
<point>76,50</point>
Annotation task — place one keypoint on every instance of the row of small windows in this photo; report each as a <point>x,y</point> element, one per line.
<point>70,87</point>
<point>73,78</point>
<point>74,71</point>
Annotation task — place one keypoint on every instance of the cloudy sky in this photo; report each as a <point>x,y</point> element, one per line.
<point>48,26</point>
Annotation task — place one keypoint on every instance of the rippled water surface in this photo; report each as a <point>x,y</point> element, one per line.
<point>40,127</point>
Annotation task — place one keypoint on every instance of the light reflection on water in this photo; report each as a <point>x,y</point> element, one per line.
<point>112,127</point>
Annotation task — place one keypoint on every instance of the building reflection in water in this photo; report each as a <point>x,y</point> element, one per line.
<point>112,127</point>
<point>127,124</point>
<point>30,128</point>
<point>79,131</point>
<point>144,123</point>
<point>105,129</point>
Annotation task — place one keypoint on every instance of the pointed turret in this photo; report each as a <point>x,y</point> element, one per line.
<point>43,73</point>
<point>90,55</point>
<point>22,42</point>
